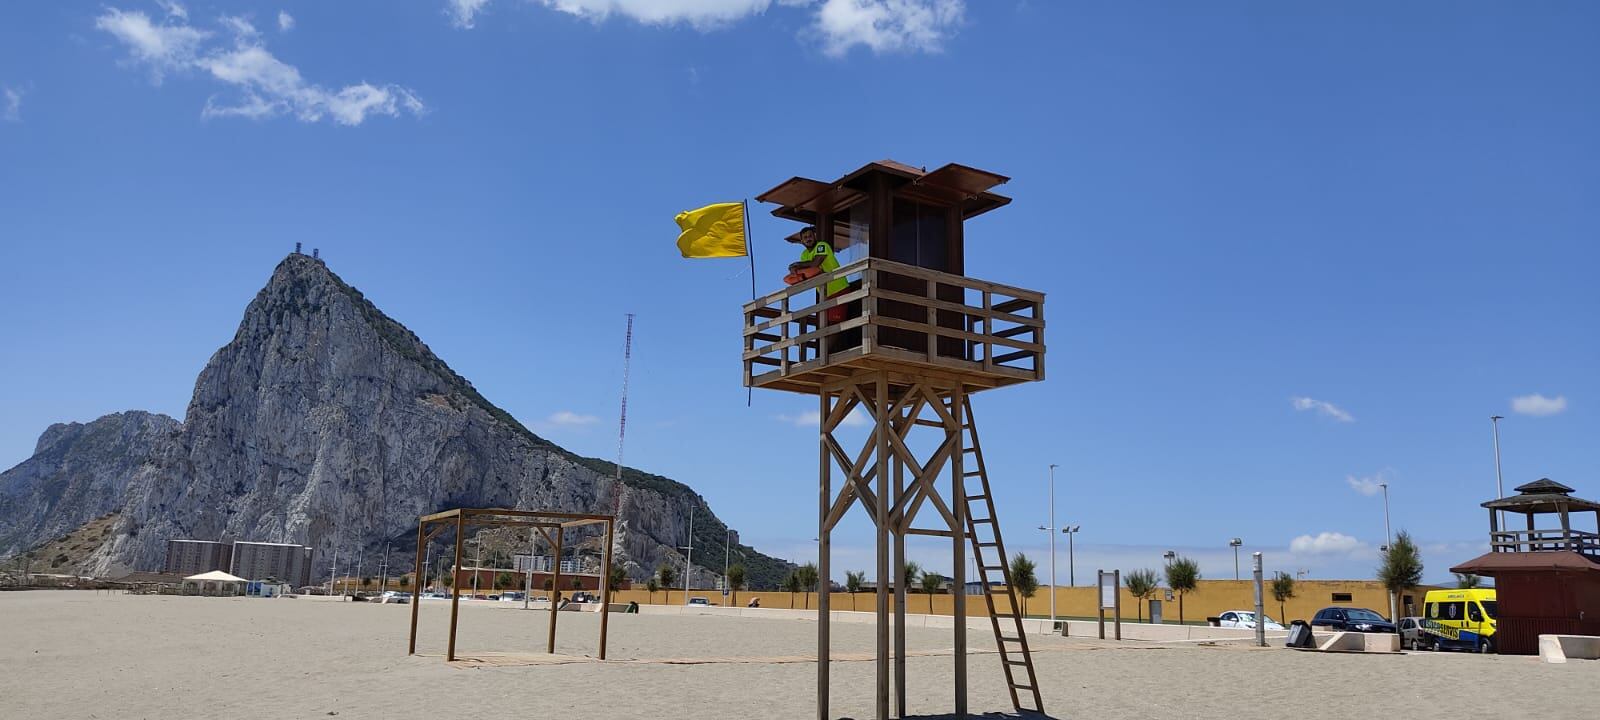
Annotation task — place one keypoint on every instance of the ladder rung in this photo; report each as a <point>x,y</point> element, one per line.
<point>970,498</point>
<point>984,544</point>
<point>979,520</point>
<point>1003,638</point>
<point>975,473</point>
<point>1022,687</point>
<point>1016,662</point>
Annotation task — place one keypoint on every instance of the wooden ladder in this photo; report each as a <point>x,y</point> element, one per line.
<point>984,530</point>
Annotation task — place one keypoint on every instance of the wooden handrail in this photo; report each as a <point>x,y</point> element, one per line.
<point>795,330</point>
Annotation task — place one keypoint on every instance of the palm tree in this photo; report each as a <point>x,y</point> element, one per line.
<point>1023,579</point>
<point>1468,581</point>
<point>807,575</point>
<point>735,583</point>
<point>930,585</point>
<point>667,575</point>
<point>1282,589</point>
<point>853,579</point>
<point>1141,585</point>
<point>791,583</point>
<point>1183,576</point>
<point>651,586</point>
<point>1401,569</point>
<point>909,574</point>
<point>619,575</point>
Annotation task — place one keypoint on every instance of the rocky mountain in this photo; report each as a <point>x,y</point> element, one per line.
<point>77,473</point>
<point>324,421</point>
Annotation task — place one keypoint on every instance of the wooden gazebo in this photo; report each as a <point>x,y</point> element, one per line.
<point>1547,578</point>
<point>548,523</point>
<point>900,334</point>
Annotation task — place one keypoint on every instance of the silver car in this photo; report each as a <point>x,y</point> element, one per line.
<point>1412,635</point>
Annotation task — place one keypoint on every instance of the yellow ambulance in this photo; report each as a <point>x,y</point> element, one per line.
<point>1460,619</point>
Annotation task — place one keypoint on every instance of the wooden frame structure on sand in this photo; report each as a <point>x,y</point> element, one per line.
<point>891,484</point>
<point>552,525</point>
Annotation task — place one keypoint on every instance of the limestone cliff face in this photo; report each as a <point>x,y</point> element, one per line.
<point>77,473</point>
<point>325,422</point>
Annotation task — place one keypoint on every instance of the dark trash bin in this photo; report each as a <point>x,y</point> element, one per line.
<point>1299,635</point>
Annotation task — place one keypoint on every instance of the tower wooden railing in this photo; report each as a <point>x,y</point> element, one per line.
<point>895,317</point>
<point>1542,540</point>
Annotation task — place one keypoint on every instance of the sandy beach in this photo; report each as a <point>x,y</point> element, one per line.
<point>82,655</point>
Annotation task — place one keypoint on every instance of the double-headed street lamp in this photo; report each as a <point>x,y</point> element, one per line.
<point>1072,571</point>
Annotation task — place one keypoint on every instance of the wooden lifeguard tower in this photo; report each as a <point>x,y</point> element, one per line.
<point>1547,576</point>
<point>915,338</point>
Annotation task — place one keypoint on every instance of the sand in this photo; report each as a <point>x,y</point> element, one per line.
<point>72,654</point>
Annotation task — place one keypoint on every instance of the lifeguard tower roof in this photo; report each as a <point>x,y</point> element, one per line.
<point>895,296</point>
<point>802,199</point>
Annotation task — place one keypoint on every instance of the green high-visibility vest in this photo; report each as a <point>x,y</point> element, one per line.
<point>829,264</point>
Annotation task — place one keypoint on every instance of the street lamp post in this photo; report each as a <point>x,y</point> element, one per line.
<point>688,558</point>
<point>1388,537</point>
<point>1072,570</point>
<point>1499,481</point>
<point>1052,547</point>
<point>1170,555</point>
<point>1388,543</point>
<point>1235,543</point>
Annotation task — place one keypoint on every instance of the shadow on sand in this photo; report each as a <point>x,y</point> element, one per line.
<point>978,716</point>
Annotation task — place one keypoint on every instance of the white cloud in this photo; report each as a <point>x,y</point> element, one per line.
<point>463,12</point>
<point>887,25</point>
<point>174,9</point>
<point>883,26</point>
<point>1367,486</point>
<point>1538,405</point>
<point>1325,543</point>
<point>1325,409</point>
<point>567,417</point>
<point>163,48</point>
<point>285,21</point>
<point>813,418</point>
<point>266,86</point>
<point>698,13</point>
<point>12,112</point>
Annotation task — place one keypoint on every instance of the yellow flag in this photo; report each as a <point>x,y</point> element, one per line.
<point>713,231</point>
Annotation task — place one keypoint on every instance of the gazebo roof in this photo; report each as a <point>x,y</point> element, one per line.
<point>1542,496</point>
<point>216,576</point>
<point>1495,563</point>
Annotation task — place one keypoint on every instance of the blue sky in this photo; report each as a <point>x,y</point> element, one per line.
<point>1291,249</point>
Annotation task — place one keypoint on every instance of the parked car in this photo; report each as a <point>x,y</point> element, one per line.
<point>541,598</point>
<point>390,596</point>
<point>1245,619</point>
<point>1352,619</point>
<point>1412,636</point>
<point>699,601</point>
<point>511,596</point>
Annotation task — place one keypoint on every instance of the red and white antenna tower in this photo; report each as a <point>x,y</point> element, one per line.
<point>622,423</point>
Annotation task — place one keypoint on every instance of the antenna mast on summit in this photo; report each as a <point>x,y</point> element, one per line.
<point>622,423</point>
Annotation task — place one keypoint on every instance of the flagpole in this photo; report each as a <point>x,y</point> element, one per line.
<point>749,252</point>
<point>749,248</point>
